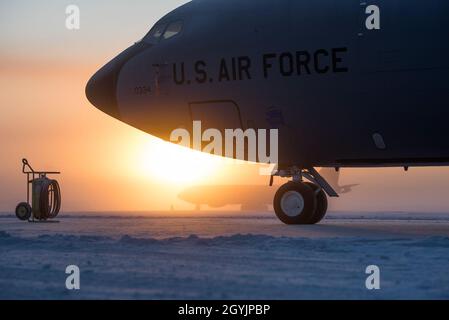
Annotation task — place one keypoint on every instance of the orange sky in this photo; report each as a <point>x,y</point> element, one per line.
<point>109,166</point>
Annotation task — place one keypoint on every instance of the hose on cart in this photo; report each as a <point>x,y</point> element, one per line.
<point>50,199</point>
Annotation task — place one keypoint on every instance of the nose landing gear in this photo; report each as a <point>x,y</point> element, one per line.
<point>300,202</point>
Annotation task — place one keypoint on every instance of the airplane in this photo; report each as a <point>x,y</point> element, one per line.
<point>345,83</point>
<point>332,176</point>
<point>255,198</point>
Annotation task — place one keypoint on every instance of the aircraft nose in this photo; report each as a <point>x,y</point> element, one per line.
<point>101,90</point>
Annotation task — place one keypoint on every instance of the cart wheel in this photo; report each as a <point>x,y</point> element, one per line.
<point>23,211</point>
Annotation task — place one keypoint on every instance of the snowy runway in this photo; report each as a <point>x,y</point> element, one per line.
<point>226,256</point>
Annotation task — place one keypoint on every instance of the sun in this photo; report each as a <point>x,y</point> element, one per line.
<point>171,163</point>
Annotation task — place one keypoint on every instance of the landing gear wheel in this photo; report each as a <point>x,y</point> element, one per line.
<point>23,211</point>
<point>321,204</point>
<point>295,203</point>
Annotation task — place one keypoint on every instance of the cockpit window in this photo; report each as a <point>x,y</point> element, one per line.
<point>173,29</point>
<point>162,31</point>
<point>155,33</point>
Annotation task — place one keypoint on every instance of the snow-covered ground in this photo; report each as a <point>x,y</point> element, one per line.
<point>225,256</point>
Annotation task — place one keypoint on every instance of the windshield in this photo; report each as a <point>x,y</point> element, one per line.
<point>173,29</point>
<point>155,33</point>
<point>163,31</point>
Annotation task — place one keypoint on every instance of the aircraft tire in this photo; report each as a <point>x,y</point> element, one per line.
<point>321,204</point>
<point>295,203</point>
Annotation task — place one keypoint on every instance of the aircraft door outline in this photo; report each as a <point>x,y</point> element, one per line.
<point>212,102</point>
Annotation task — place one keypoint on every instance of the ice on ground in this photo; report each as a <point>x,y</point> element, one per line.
<point>225,257</point>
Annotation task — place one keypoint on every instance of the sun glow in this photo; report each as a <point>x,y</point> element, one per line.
<point>175,164</point>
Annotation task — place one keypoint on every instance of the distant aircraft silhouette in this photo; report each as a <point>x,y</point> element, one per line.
<point>250,197</point>
<point>332,176</point>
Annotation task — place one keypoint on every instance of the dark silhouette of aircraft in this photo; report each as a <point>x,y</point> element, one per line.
<point>345,83</point>
<point>255,198</point>
<point>332,176</point>
<point>251,198</point>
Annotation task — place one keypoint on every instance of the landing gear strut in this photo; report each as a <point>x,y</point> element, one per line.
<point>302,202</point>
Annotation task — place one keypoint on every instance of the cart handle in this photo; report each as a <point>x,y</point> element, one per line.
<point>26,164</point>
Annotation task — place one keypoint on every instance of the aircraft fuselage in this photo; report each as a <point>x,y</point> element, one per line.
<point>340,94</point>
